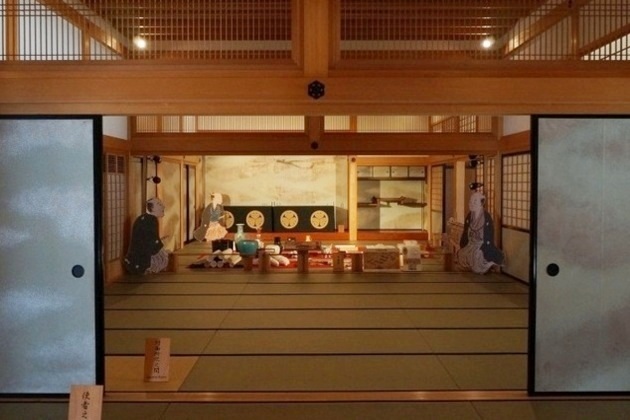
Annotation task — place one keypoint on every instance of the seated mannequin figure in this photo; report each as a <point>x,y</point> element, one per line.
<point>212,220</point>
<point>477,250</point>
<point>146,252</point>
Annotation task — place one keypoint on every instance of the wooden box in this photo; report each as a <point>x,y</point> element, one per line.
<point>381,259</point>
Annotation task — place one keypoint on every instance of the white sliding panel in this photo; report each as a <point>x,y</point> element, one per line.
<point>50,264</point>
<point>581,255</point>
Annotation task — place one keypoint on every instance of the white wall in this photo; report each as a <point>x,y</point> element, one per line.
<point>516,124</point>
<point>116,127</point>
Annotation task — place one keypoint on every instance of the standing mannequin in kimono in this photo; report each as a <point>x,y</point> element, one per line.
<point>212,220</point>
<point>146,252</point>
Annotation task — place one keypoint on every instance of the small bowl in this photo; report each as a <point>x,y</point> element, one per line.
<point>247,247</point>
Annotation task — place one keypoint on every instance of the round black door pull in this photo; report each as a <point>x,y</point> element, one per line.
<point>78,271</point>
<point>553,270</point>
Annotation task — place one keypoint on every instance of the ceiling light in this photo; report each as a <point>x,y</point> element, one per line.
<point>140,42</point>
<point>487,42</point>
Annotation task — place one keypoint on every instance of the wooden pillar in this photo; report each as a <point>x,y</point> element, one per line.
<point>86,45</point>
<point>314,128</point>
<point>316,38</point>
<point>352,198</point>
<point>335,32</point>
<point>11,31</point>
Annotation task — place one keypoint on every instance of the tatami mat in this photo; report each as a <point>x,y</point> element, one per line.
<point>488,371</point>
<point>463,300</point>
<point>382,288</point>
<point>318,373</point>
<point>171,301</point>
<point>282,333</point>
<point>169,319</point>
<point>347,301</point>
<point>477,340</point>
<point>177,288</point>
<point>131,342</point>
<point>468,318</point>
<point>126,373</point>
<point>317,342</point>
<point>327,276</point>
<point>317,318</point>
<point>325,332</point>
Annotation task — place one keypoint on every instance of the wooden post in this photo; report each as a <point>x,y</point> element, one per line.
<point>357,261</point>
<point>302,264</point>
<point>264,261</point>
<point>338,261</point>
<point>248,262</point>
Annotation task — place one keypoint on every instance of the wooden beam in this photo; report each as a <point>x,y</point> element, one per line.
<point>116,144</point>
<point>531,32</point>
<point>408,143</point>
<point>518,142</point>
<point>393,160</point>
<point>86,26</point>
<point>497,88</point>
<point>404,144</point>
<point>602,41</point>
<point>221,144</point>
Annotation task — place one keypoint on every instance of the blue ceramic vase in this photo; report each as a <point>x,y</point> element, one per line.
<point>247,246</point>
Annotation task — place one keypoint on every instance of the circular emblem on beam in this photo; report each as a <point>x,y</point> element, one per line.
<point>316,89</point>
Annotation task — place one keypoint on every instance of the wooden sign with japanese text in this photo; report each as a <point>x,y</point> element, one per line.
<point>157,359</point>
<point>86,402</point>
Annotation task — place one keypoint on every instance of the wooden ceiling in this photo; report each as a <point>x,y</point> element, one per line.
<point>271,19</point>
<point>183,20</point>
<point>451,20</point>
<point>363,29</point>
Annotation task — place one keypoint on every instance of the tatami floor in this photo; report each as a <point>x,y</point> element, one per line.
<point>323,345</point>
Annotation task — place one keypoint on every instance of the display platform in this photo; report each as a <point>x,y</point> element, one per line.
<point>198,256</point>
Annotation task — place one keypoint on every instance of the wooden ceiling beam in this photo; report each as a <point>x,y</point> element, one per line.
<point>481,88</point>
<point>530,33</point>
<point>266,143</point>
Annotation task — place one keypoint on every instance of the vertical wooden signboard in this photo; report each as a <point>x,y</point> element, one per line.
<point>86,402</point>
<point>157,358</point>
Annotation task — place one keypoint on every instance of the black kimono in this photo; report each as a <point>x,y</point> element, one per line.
<point>145,242</point>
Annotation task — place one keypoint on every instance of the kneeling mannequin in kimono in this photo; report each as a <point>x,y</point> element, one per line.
<point>146,252</point>
<point>477,251</point>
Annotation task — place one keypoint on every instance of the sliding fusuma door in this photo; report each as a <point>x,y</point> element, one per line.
<point>50,264</point>
<point>580,306</point>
